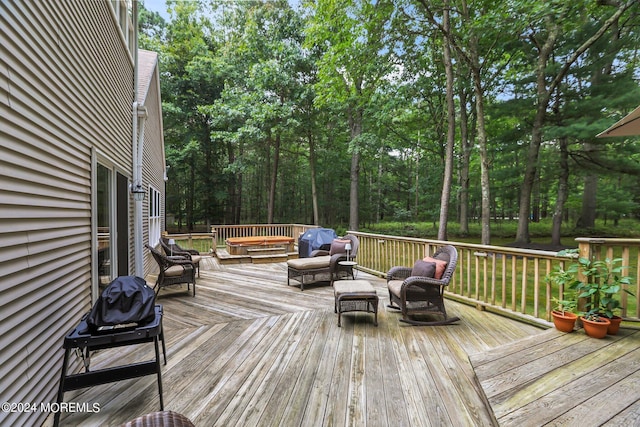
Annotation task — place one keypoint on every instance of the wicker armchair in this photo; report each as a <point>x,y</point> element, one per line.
<point>323,263</point>
<point>173,270</point>
<point>175,250</point>
<point>419,295</point>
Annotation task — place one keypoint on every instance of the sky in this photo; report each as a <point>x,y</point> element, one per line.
<point>160,6</point>
<point>157,6</point>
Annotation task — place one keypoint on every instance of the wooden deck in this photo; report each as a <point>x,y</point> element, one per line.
<point>564,379</point>
<point>250,351</point>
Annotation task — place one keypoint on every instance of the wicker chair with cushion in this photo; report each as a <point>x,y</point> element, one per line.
<point>324,263</point>
<point>173,270</point>
<point>160,419</point>
<point>420,290</point>
<point>175,250</point>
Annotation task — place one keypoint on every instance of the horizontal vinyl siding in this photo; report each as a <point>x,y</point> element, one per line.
<point>66,86</point>
<point>153,159</point>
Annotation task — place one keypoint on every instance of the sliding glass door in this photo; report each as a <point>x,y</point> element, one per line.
<point>112,221</point>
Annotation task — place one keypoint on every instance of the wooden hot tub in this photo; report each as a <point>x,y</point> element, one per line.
<point>241,245</point>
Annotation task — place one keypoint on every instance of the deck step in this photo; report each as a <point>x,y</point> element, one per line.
<point>263,259</point>
<point>224,258</point>
<point>266,251</point>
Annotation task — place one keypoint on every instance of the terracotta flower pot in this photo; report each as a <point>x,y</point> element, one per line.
<point>614,325</point>
<point>596,329</point>
<point>564,322</point>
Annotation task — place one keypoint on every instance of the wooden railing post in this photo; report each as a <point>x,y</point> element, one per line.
<point>584,251</point>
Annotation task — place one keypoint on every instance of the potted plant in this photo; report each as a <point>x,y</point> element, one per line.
<point>595,325</point>
<point>612,307</point>
<point>610,303</point>
<point>563,315</point>
<point>564,319</point>
<point>601,285</point>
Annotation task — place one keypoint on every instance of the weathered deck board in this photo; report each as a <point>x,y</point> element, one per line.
<point>248,350</point>
<point>558,379</point>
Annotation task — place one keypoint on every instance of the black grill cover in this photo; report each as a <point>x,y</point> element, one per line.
<point>315,238</point>
<point>127,299</point>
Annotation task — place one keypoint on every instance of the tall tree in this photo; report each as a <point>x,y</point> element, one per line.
<point>186,84</point>
<point>263,60</point>
<point>477,52</point>
<point>352,66</point>
<point>451,129</point>
<point>544,35</point>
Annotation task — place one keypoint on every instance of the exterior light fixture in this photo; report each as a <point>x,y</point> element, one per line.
<point>138,192</point>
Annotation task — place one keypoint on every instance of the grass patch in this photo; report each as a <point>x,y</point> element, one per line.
<point>504,231</point>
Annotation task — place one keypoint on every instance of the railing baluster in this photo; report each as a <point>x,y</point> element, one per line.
<point>498,285</point>
<point>493,278</point>
<point>523,289</point>
<point>514,280</point>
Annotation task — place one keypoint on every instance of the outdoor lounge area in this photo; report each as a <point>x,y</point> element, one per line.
<point>248,350</point>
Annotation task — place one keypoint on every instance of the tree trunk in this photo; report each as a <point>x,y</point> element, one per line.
<point>485,187</point>
<point>312,170</point>
<point>379,190</point>
<point>563,192</point>
<point>191,194</point>
<point>464,164</point>
<point>535,207</point>
<point>355,122</point>
<point>588,216</point>
<point>484,161</point>
<point>353,191</point>
<point>239,192</point>
<point>588,213</point>
<point>416,195</point>
<point>531,169</point>
<point>274,179</point>
<point>451,130</point>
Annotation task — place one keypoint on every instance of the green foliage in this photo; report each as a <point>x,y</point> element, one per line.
<point>248,89</point>
<point>505,230</point>
<point>598,281</point>
<point>565,306</point>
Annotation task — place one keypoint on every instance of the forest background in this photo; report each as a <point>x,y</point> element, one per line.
<point>349,113</point>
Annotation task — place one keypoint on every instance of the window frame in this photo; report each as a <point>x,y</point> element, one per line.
<point>154,217</point>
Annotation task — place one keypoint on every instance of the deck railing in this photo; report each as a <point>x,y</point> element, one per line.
<point>507,280</point>
<point>511,281</point>
<point>208,242</point>
<point>202,242</point>
<point>223,232</point>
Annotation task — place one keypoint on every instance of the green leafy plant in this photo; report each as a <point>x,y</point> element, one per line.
<point>565,306</point>
<point>567,279</point>
<point>593,316</point>
<point>603,282</point>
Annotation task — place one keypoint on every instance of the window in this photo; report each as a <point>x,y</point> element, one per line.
<point>155,222</point>
<point>104,214</point>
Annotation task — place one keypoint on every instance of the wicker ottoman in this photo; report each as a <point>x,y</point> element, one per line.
<point>355,295</point>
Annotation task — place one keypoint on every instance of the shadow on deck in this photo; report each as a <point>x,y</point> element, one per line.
<point>249,350</point>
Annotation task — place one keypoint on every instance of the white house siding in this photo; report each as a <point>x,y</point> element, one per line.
<point>153,158</point>
<point>66,86</point>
